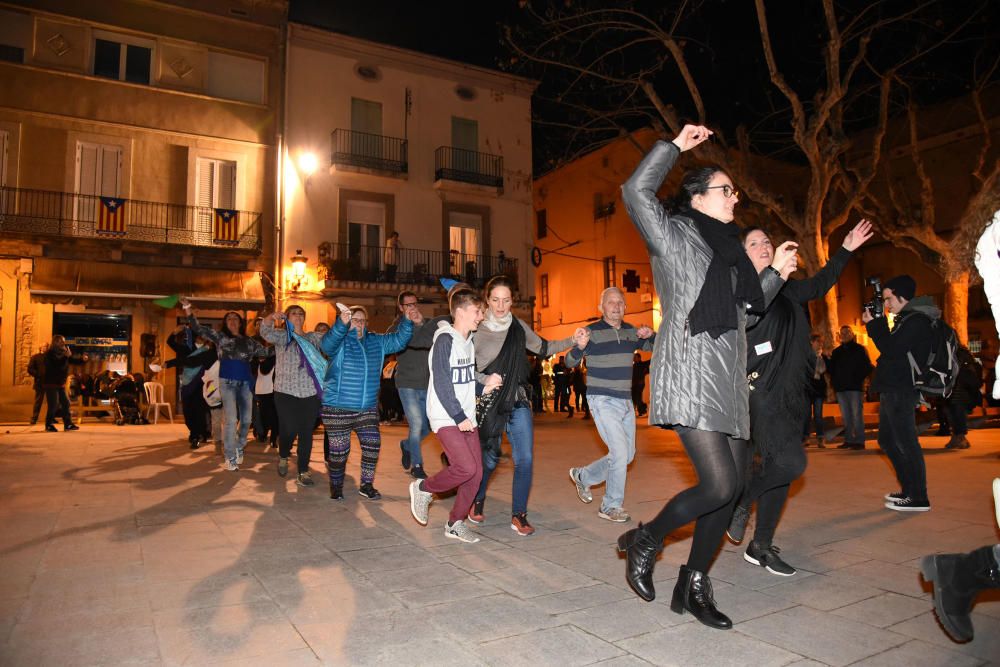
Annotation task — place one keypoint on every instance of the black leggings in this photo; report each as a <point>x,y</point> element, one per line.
<point>719,462</point>
<point>770,490</point>
<point>296,419</point>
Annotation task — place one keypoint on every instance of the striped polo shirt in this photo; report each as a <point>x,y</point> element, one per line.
<point>609,358</point>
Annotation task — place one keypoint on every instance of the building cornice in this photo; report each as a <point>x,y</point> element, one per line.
<point>395,57</point>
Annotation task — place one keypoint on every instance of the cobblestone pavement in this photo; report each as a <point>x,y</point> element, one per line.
<point>119,545</point>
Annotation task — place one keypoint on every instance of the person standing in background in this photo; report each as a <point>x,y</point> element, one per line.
<point>36,369</point>
<point>849,366</point>
<point>816,390</point>
<point>391,257</point>
<point>640,369</point>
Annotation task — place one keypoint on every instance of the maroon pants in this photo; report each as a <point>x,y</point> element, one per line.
<point>464,471</point>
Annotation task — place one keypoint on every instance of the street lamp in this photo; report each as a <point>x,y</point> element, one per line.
<point>308,164</point>
<point>298,270</point>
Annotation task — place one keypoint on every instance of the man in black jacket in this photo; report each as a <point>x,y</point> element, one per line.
<point>57,361</point>
<point>849,366</point>
<point>897,427</point>
<point>36,369</point>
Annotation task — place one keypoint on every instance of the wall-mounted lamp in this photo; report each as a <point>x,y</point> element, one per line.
<point>298,279</point>
<point>308,164</point>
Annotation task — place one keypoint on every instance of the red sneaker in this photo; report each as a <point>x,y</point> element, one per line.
<point>476,513</point>
<point>519,524</point>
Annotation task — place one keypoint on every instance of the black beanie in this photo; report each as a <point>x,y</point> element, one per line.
<point>902,286</point>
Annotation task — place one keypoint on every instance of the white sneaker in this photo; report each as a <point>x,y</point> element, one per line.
<point>231,466</point>
<point>616,514</point>
<point>459,531</point>
<point>582,490</point>
<point>239,456</point>
<point>420,502</point>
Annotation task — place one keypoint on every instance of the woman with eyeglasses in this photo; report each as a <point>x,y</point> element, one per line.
<point>779,372</point>
<point>350,394</point>
<point>708,289</point>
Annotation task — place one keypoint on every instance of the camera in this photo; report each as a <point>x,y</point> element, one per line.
<point>874,307</point>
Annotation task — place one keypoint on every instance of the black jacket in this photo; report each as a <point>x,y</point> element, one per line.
<point>57,367</point>
<point>849,366</point>
<point>911,333</point>
<point>36,369</point>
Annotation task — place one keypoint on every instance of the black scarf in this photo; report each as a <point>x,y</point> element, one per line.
<point>715,309</point>
<point>512,365</point>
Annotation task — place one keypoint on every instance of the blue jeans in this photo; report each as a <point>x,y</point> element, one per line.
<point>814,418</point>
<point>615,421</point>
<point>851,410</point>
<point>520,433</point>
<point>237,403</point>
<point>415,408</point>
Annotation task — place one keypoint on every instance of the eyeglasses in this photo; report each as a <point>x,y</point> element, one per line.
<point>412,304</point>
<point>358,320</point>
<point>727,190</point>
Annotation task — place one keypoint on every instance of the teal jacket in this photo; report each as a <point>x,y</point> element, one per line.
<point>352,378</point>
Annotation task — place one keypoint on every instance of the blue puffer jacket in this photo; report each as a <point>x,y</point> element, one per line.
<point>352,379</point>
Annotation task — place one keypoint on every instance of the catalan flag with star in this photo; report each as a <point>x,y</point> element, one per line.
<point>111,217</point>
<point>227,226</point>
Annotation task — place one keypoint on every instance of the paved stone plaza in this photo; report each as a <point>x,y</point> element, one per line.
<point>121,546</point>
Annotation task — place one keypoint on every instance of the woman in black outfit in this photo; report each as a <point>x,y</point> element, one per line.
<point>779,373</point>
<point>708,291</point>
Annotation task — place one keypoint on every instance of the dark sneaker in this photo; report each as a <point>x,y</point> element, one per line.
<point>582,490</point>
<point>738,524</point>
<point>767,557</point>
<point>194,443</point>
<point>909,505</point>
<point>336,492</point>
<point>406,455</point>
<point>417,472</point>
<point>476,513</point>
<point>894,497</point>
<point>459,531</point>
<point>420,502</point>
<point>282,467</point>
<point>305,479</point>
<point>71,427</point>
<point>519,524</point>
<point>50,428</point>
<point>369,492</point>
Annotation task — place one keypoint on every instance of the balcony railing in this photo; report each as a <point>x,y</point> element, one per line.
<point>346,261</point>
<point>457,164</point>
<point>369,151</point>
<point>74,215</point>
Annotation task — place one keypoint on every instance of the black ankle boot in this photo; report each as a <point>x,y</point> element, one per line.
<point>957,579</point>
<point>336,492</point>
<point>640,549</point>
<point>693,592</point>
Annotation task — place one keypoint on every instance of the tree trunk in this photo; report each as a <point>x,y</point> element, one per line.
<point>956,305</point>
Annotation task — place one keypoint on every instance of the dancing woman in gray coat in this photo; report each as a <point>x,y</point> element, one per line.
<point>708,289</point>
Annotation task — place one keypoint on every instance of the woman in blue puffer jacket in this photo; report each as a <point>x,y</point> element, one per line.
<point>350,394</point>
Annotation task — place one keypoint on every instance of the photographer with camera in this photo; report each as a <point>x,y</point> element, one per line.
<point>897,427</point>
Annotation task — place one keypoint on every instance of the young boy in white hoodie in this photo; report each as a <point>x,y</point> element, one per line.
<point>451,410</point>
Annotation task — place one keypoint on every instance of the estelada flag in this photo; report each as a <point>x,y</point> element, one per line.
<point>111,218</point>
<point>227,226</point>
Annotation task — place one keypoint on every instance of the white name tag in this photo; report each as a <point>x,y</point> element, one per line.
<point>763,348</point>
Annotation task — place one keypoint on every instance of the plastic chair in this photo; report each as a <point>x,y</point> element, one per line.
<point>154,399</point>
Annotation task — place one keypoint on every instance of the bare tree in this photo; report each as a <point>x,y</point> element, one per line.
<point>614,66</point>
<point>915,225</point>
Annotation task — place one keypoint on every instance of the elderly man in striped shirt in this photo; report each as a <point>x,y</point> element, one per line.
<point>608,346</point>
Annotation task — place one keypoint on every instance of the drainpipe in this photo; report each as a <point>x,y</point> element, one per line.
<point>279,215</point>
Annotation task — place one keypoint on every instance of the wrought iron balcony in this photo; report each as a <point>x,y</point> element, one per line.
<point>369,151</point>
<point>347,261</point>
<point>67,214</point>
<point>457,164</point>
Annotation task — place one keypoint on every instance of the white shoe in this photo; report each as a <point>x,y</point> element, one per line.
<point>239,456</point>
<point>231,466</point>
<point>459,531</point>
<point>420,502</point>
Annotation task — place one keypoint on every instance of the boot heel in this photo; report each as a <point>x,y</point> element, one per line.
<point>677,604</point>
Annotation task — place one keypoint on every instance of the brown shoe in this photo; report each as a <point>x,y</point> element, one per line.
<point>519,524</point>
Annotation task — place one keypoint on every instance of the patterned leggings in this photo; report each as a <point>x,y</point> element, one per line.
<point>338,424</point>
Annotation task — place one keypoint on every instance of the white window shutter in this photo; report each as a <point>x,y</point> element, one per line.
<point>227,185</point>
<point>87,161</point>
<point>206,184</point>
<point>111,160</point>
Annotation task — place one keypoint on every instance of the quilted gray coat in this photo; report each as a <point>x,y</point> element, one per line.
<point>696,381</point>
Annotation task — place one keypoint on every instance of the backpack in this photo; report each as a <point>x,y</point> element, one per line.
<point>937,375</point>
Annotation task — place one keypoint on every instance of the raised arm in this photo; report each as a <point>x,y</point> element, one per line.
<point>801,291</point>
<point>334,338</point>
<point>639,191</point>
<point>397,340</point>
<point>271,333</point>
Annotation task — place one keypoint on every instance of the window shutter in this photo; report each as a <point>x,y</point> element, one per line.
<point>4,142</point>
<point>227,185</point>
<point>206,184</point>
<point>86,156</point>
<point>111,160</point>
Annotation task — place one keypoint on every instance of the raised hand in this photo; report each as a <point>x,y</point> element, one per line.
<point>857,236</point>
<point>185,303</point>
<point>785,259</point>
<point>692,135</point>
<point>644,332</point>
